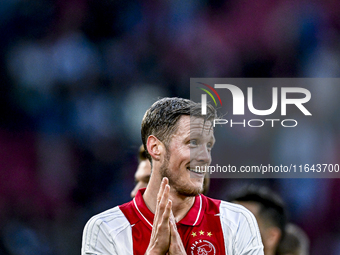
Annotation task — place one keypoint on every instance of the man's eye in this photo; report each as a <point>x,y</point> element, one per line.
<point>193,142</point>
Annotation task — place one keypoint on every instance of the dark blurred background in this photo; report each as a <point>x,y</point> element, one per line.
<point>76,77</point>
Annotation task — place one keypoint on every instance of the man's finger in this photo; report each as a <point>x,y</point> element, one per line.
<point>173,231</point>
<point>166,214</point>
<point>172,218</point>
<point>161,189</point>
<point>176,244</point>
<point>159,197</point>
<point>164,200</point>
<point>174,236</point>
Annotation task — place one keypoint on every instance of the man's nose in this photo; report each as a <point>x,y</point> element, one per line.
<point>203,154</point>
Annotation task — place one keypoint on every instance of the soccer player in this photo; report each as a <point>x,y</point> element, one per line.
<point>142,175</point>
<point>295,242</point>
<point>270,213</point>
<point>171,216</point>
<point>143,172</point>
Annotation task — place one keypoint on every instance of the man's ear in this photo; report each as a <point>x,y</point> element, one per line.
<point>272,237</point>
<point>155,147</point>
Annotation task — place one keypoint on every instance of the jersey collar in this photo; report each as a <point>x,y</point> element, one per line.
<point>193,217</point>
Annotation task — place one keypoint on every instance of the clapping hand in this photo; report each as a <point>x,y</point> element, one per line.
<point>165,238</point>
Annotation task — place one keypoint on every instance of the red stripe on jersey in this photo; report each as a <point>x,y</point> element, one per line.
<point>141,232</point>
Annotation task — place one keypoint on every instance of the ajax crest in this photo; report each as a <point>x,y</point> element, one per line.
<point>202,247</point>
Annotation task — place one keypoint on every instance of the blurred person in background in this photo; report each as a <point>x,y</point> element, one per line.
<point>295,242</point>
<point>142,175</point>
<point>143,172</point>
<point>177,220</point>
<point>269,211</point>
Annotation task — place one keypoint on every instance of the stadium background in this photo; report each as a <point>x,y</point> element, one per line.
<point>77,75</point>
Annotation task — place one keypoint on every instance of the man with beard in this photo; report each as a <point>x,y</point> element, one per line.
<point>171,216</point>
<point>143,172</point>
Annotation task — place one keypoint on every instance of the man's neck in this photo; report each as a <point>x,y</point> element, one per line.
<point>180,204</point>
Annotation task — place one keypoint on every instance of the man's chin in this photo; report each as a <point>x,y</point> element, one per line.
<point>190,192</point>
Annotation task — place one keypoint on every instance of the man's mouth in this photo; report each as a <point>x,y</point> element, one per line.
<point>196,169</point>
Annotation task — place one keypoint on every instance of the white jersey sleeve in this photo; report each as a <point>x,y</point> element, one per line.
<point>240,224</point>
<point>107,233</point>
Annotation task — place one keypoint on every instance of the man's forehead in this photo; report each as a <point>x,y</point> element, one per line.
<point>200,123</point>
<point>188,124</point>
<point>194,120</point>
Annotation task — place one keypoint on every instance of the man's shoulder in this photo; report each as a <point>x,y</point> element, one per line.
<point>235,213</point>
<point>230,213</point>
<point>235,209</point>
<point>106,231</point>
<point>237,222</point>
<point>225,207</point>
<point>111,220</point>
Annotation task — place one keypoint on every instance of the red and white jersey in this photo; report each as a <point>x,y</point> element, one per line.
<point>210,227</point>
